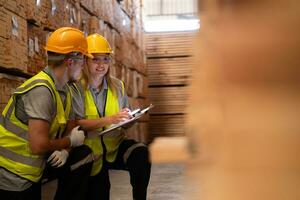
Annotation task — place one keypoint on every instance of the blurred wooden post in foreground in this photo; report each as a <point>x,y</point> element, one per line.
<point>244,129</point>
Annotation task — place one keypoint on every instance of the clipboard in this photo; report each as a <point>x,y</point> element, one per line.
<point>136,114</point>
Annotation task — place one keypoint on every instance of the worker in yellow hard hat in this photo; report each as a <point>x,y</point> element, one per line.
<point>34,120</point>
<point>106,103</point>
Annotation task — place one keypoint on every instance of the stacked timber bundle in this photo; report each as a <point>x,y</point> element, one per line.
<point>169,60</point>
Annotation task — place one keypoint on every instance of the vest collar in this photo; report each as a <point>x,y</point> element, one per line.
<point>104,86</point>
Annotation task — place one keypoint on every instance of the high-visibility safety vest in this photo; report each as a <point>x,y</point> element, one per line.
<point>15,154</point>
<point>111,142</point>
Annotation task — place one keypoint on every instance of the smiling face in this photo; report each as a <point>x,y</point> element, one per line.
<point>98,66</point>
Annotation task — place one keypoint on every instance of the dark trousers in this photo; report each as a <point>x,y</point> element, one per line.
<point>132,158</point>
<point>32,193</point>
<point>72,179</point>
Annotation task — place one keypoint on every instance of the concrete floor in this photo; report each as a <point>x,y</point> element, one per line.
<point>166,182</point>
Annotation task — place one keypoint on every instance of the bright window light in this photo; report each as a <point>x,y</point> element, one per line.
<point>172,25</point>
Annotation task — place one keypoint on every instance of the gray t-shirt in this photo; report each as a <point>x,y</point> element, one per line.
<point>37,103</point>
<point>77,102</point>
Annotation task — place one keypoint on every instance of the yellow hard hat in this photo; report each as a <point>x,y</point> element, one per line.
<point>66,40</point>
<point>98,44</point>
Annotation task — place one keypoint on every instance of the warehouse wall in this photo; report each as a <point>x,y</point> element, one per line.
<point>169,60</point>
<point>25,26</point>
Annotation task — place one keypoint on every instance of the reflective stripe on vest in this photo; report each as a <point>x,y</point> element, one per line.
<point>21,132</point>
<point>15,154</point>
<point>93,141</point>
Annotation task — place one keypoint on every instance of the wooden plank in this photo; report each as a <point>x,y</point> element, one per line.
<point>157,36</point>
<point>105,10</point>
<point>169,44</point>
<point>18,7</point>
<point>88,5</point>
<point>7,85</point>
<point>167,125</point>
<point>170,51</point>
<point>169,71</point>
<point>168,100</point>
<point>13,41</point>
<point>36,52</point>
<point>36,11</point>
<point>85,19</point>
<point>72,14</point>
<point>55,14</point>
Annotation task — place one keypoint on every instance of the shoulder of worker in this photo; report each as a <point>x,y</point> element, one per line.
<point>39,103</point>
<point>77,111</point>
<point>76,88</point>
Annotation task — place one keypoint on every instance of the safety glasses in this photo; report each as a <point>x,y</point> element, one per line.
<point>101,59</point>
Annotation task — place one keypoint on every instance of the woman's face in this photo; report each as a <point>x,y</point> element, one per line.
<point>99,64</point>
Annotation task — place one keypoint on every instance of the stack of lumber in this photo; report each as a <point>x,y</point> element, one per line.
<point>169,60</point>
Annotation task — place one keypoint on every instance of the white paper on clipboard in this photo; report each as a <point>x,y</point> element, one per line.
<point>136,115</point>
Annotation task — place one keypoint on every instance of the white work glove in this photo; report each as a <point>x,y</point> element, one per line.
<point>76,137</point>
<point>58,158</point>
